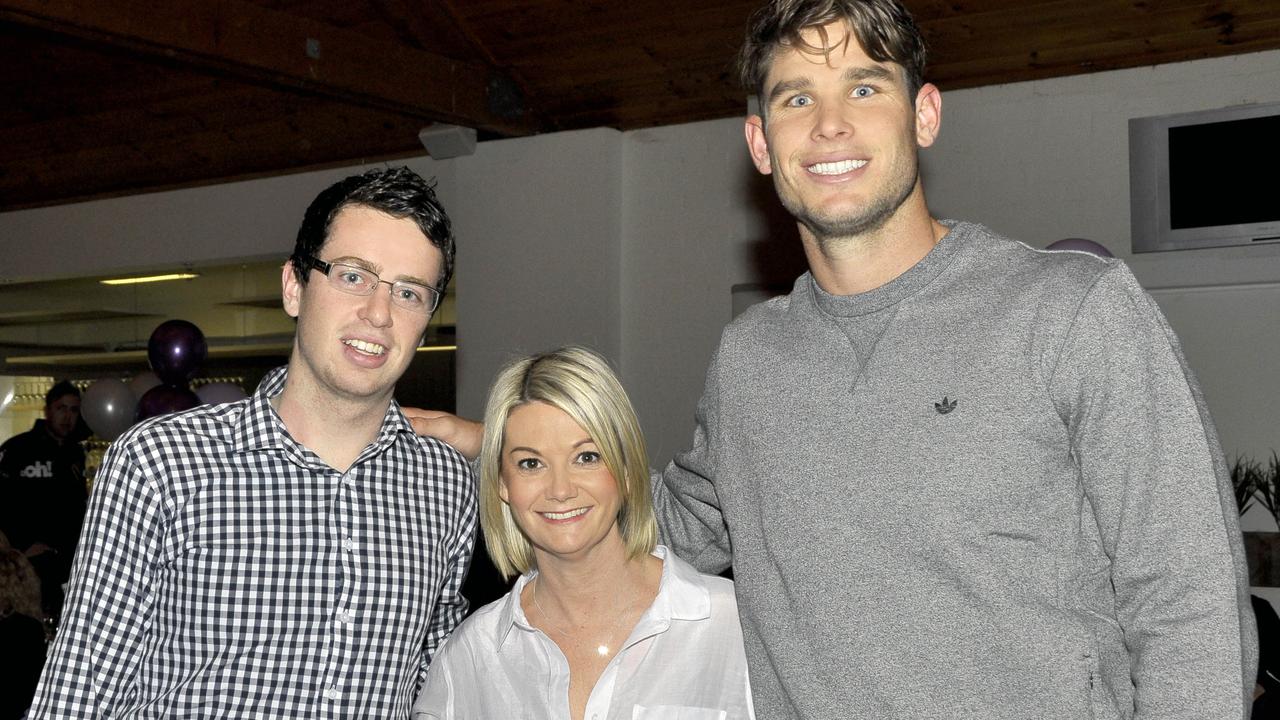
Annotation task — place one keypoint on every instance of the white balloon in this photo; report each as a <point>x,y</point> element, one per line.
<point>108,406</point>
<point>142,382</point>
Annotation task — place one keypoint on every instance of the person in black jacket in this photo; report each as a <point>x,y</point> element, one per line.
<point>43,493</point>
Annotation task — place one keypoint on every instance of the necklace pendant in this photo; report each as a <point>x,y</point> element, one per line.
<point>603,650</point>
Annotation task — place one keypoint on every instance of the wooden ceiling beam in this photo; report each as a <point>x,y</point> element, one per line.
<point>437,24</point>
<point>258,44</point>
<point>306,133</point>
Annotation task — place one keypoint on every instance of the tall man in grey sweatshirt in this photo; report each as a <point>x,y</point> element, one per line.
<point>955,477</point>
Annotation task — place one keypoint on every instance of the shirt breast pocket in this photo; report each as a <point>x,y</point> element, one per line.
<point>676,712</point>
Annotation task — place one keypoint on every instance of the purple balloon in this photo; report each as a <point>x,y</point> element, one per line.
<point>219,392</point>
<point>1082,245</point>
<point>176,350</point>
<point>165,399</point>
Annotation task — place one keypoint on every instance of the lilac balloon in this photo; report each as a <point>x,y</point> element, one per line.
<point>165,399</point>
<point>176,350</point>
<point>219,392</point>
<point>107,407</point>
<point>1082,245</point>
<point>141,383</point>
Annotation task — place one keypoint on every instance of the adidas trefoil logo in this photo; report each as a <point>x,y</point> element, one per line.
<point>945,406</point>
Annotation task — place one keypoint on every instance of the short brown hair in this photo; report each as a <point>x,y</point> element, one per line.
<point>395,191</point>
<point>884,29</point>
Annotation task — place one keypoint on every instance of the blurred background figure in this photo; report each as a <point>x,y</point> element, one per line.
<point>22,638</point>
<point>1266,696</point>
<point>43,492</point>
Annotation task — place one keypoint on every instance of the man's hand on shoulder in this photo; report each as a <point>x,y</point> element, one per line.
<point>464,435</point>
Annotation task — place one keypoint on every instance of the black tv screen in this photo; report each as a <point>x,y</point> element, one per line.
<point>1223,173</point>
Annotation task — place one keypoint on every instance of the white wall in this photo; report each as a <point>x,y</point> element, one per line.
<point>1050,159</point>
<point>632,242</point>
<point>537,221</point>
<point>688,233</point>
<point>196,226</point>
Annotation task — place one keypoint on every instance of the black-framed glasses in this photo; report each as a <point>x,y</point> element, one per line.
<point>355,280</point>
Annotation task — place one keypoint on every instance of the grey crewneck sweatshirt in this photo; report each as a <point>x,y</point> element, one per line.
<point>987,489</point>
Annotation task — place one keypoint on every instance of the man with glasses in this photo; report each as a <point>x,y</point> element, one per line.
<point>299,553</point>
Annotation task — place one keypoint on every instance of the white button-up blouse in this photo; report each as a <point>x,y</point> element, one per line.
<point>684,659</point>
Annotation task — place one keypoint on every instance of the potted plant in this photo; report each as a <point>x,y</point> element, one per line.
<point>1255,482</point>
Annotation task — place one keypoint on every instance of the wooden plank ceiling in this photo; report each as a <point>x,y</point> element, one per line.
<point>109,98</point>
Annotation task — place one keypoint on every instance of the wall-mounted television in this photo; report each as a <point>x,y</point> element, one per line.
<point>1205,179</point>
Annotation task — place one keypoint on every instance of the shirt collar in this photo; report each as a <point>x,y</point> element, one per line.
<point>512,613</point>
<point>682,590</point>
<point>910,282</point>
<point>260,426</point>
<point>682,595</point>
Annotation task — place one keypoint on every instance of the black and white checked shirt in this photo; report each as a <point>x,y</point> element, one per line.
<point>227,571</point>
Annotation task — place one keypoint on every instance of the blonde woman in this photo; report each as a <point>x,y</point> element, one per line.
<point>603,623</point>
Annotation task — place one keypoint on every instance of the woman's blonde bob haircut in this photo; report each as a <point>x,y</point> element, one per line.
<point>580,383</point>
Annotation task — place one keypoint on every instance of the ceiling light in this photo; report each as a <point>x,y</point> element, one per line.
<point>149,279</point>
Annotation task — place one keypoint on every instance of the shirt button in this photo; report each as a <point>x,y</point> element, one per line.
<point>331,694</point>
<point>348,544</point>
<point>344,616</point>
